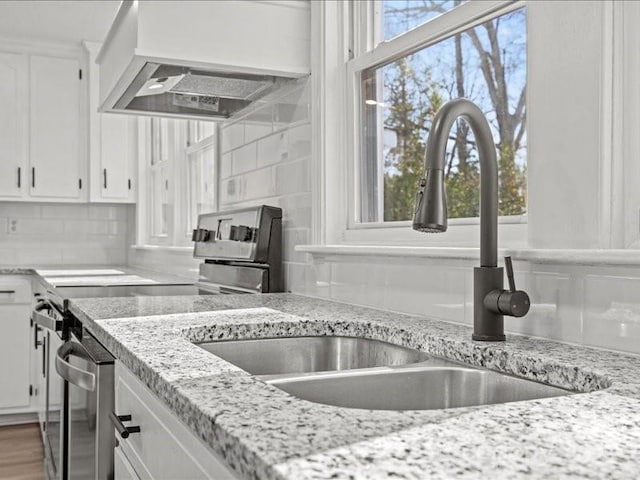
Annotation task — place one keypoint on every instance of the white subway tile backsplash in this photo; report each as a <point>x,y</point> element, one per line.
<point>53,233</point>
<point>20,210</point>
<point>64,211</point>
<point>293,237</point>
<point>258,184</point>
<point>232,136</point>
<point>244,159</point>
<point>253,131</point>
<point>27,255</point>
<point>33,226</point>
<point>612,312</point>
<point>553,312</point>
<point>292,178</point>
<point>300,142</point>
<point>107,212</point>
<point>273,149</point>
<point>86,227</point>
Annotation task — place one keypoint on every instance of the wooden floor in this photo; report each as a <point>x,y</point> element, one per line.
<point>21,453</point>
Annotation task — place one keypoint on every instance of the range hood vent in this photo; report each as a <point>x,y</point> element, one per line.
<point>211,72</point>
<point>174,90</point>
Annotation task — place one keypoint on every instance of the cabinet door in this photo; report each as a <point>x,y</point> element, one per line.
<point>14,355</point>
<point>122,468</point>
<point>13,123</point>
<point>54,127</point>
<point>115,172</point>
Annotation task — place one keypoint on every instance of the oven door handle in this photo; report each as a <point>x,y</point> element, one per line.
<point>72,374</point>
<point>44,320</point>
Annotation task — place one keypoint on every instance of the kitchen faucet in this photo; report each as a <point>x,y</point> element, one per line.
<point>490,300</point>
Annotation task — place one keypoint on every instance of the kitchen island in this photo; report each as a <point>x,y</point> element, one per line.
<point>263,432</point>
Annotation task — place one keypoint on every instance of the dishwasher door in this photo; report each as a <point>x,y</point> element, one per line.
<point>88,437</point>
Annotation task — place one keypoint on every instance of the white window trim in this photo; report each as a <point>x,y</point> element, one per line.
<point>330,53</point>
<point>461,231</point>
<point>176,239</point>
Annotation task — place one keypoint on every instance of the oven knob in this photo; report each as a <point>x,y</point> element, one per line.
<point>233,233</point>
<point>201,235</point>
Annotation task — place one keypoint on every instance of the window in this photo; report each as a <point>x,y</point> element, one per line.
<point>400,16</point>
<point>201,174</point>
<point>159,177</point>
<point>180,178</point>
<point>438,51</point>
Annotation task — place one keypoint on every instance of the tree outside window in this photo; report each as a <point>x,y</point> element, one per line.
<point>486,64</point>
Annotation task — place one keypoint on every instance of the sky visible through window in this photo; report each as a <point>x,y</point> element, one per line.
<point>486,64</point>
<point>400,16</point>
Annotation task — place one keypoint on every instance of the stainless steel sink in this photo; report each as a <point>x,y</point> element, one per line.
<point>370,374</point>
<point>414,388</point>
<point>270,356</point>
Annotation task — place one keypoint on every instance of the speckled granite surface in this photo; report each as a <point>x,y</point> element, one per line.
<point>265,433</point>
<point>16,270</point>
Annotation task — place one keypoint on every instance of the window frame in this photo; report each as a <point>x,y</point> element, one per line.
<point>193,148</point>
<point>365,56</point>
<point>180,146</point>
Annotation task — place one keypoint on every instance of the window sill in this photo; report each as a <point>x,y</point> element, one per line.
<point>596,257</point>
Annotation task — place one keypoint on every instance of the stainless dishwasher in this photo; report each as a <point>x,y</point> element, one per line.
<point>87,370</point>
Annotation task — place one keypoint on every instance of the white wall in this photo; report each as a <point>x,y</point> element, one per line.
<point>69,234</point>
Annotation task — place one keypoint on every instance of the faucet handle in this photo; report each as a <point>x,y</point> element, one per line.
<point>509,267</point>
<point>512,302</point>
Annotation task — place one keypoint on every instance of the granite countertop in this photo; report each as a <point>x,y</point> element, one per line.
<point>95,275</point>
<point>263,432</point>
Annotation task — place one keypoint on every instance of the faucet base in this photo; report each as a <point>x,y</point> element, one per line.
<point>488,338</point>
<point>487,325</point>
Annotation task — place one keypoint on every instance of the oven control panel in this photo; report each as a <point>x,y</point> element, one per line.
<point>245,235</point>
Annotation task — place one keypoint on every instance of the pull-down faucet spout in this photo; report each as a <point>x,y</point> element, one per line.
<point>491,301</point>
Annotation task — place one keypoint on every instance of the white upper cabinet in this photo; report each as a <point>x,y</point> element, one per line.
<point>14,123</point>
<point>112,139</point>
<point>55,134</point>
<point>116,168</point>
<point>54,145</point>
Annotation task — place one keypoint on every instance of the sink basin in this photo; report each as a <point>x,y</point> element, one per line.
<point>414,388</point>
<point>271,356</point>
<point>371,374</point>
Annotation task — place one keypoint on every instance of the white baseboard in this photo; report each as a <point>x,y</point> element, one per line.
<point>18,419</point>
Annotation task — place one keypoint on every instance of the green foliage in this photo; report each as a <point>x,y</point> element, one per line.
<point>413,101</point>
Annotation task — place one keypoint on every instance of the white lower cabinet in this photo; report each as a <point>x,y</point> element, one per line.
<point>122,468</point>
<point>15,310</point>
<point>164,448</point>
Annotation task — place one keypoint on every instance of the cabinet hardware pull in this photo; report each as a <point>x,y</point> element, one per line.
<point>19,175</point>
<point>104,172</point>
<point>9,292</point>
<point>120,427</point>
<point>33,177</point>
<point>129,183</point>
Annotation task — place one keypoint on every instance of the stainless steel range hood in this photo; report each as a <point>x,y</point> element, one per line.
<point>224,57</point>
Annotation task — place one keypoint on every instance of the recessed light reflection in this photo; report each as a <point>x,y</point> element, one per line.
<point>374,102</point>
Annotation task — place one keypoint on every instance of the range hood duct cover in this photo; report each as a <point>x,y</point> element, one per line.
<point>203,72</point>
